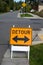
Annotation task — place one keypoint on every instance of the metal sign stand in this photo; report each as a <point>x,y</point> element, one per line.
<point>20,48</point>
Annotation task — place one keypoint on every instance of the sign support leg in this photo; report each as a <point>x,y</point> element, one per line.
<point>28,49</point>
<point>11,52</point>
<point>28,52</point>
<point>11,48</point>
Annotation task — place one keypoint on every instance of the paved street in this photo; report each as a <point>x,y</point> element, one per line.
<point>9,19</point>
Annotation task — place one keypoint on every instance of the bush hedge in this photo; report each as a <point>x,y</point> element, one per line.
<point>40,13</point>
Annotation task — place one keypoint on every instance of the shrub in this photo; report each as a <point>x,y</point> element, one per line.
<point>7,9</point>
<point>40,13</point>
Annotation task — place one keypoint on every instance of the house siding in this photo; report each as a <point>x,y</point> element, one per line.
<point>40,8</point>
<point>40,5</point>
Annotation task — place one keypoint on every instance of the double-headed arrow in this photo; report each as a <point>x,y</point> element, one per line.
<point>25,39</point>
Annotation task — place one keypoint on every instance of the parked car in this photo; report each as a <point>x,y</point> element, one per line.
<point>11,10</point>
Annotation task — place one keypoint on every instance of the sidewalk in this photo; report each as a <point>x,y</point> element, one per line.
<point>37,37</point>
<point>20,58</point>
<point>34,16</point>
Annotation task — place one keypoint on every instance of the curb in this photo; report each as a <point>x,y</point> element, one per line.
<point>37,42</point>
<point>34,16</point>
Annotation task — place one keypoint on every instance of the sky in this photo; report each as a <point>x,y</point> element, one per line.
<point>19,0</point>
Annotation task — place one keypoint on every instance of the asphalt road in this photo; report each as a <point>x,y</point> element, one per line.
<point>9,19</point>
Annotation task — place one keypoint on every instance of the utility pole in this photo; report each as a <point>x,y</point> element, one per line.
<point>25,7</point>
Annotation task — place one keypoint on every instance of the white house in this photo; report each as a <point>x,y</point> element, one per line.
<point>40,7</point>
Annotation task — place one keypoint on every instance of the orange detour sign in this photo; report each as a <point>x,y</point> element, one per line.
<point>21,36</point>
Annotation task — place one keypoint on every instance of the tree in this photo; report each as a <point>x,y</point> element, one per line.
<point>3,6</point>
<point>6,5</point>
<point>17,5</point>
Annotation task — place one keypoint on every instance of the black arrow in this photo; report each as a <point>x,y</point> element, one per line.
<point>25,39</point>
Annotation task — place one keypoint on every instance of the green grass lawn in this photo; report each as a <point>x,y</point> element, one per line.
<point>26,15</point>
<point>36,55</point>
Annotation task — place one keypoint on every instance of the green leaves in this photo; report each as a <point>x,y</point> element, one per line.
<point>6,5</point>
